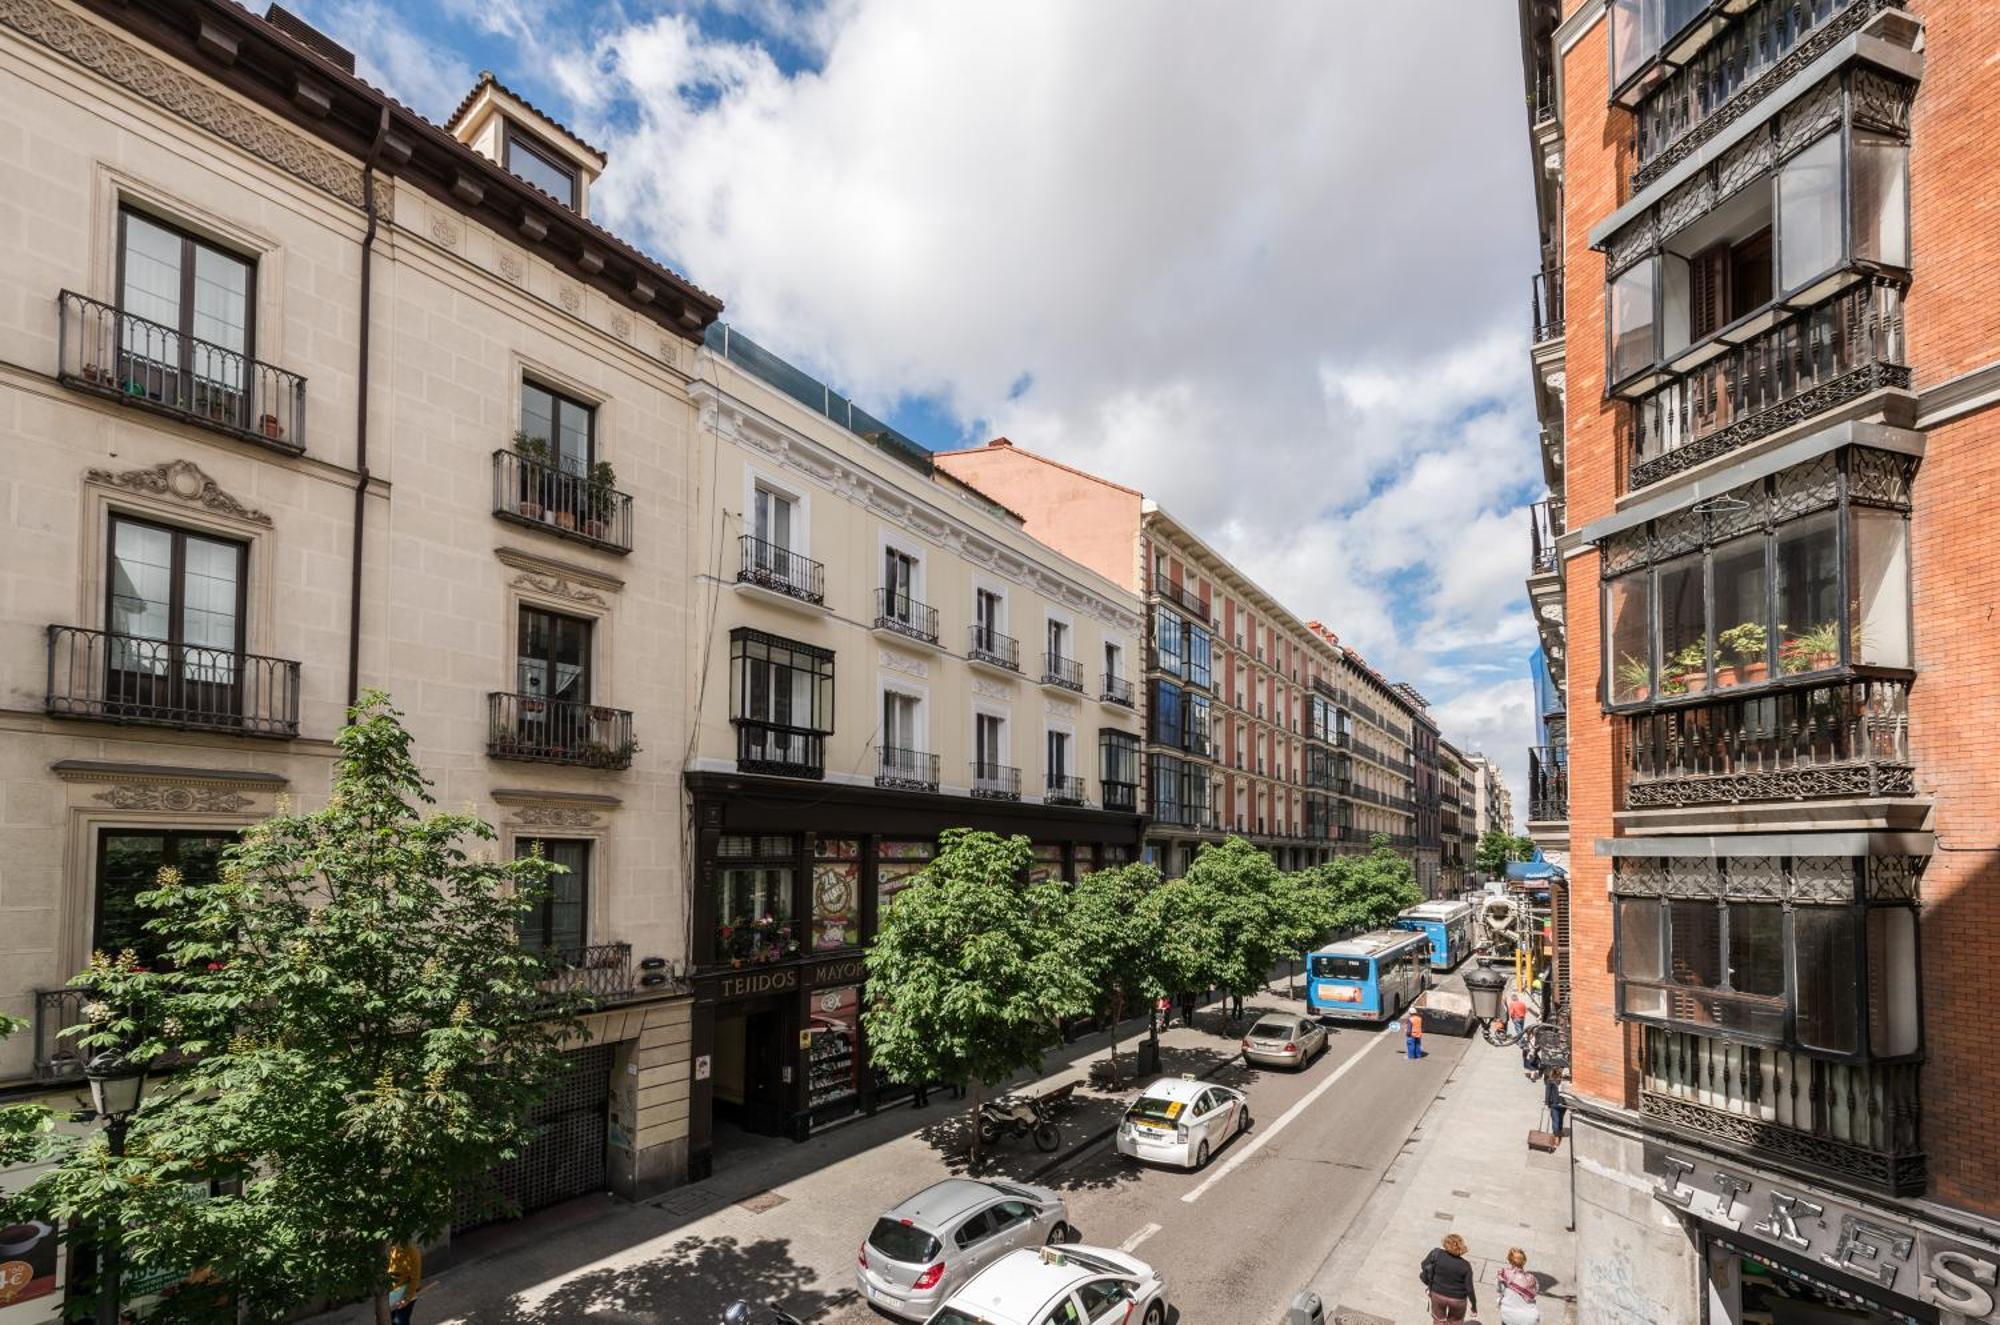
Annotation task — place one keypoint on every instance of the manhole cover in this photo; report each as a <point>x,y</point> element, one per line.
<point>689,1203</point>
<point>761,1202</point>
<point>1349,1316</point>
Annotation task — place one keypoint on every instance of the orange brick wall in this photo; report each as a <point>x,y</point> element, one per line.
<point>1954,304</point>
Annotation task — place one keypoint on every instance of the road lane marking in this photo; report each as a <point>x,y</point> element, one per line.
<point>1266,1133</point>
<point>1131,1244</point>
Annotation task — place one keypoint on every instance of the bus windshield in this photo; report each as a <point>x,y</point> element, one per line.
<point>1340,968</point>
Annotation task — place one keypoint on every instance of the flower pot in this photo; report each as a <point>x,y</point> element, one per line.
<point>566,519</point>
<point>1725,676</point>
<point>270,427</point>
<point>1824,660</point>
<point>531,509</point>
<point>1693,681</point>
<point>1755,672</point>
<point>594,529</point>
<point>532,706</point>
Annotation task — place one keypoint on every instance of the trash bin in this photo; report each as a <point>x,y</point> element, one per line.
<point>1149,1059</point>
<point>1305,1310</point>
<point>1485,986</point>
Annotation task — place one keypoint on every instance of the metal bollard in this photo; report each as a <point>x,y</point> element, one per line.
<point>1305,1310</point>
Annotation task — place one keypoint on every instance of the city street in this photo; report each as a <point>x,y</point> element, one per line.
<point>782,1224</point>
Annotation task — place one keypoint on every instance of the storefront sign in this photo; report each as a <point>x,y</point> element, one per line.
<point>839,971</point>
<point>749,984</point>
<point>1875,1246</point>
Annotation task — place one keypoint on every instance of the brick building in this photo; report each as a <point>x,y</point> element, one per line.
<point>1764,577</point>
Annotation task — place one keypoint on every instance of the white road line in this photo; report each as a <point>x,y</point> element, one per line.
<point>1131,1244</point>
<point>1266,1133</point>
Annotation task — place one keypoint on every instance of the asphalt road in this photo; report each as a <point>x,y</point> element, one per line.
<point>1239,1238</point>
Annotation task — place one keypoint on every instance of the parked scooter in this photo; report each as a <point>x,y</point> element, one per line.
<point>742,1313</point>
<point>1017,1116</point>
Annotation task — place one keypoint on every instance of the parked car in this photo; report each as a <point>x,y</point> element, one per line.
<point>934,1242</point>
<point>1285,1042</point>
<point>1068,1285</point>
<point>1182,1121</point>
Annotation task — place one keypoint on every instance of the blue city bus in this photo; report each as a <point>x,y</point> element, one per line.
<point>1449,927</point>
<point>1371,977</point>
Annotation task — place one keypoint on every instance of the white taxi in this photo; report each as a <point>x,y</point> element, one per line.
<point>1182,1121</point>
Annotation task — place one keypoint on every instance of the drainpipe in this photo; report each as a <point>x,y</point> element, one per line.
<point>361,413</point>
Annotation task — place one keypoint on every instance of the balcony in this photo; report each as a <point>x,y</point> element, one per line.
<point>1544,527</point>
<point>1121,796</point>
<point>1066,673</point>
<point>1545,304</point>
<point>1061,790</point>
<point>780,571</point>
<point>906,770</point>
<point>1855,1122</point>
<point>57,1057</point>
<point>154,367</point>
<point>899,614</point>
<point>1548,784</point>
<point>757,940</point>
<point>581,506</point>
<point>1847,739</point>
<point>779,751</point>
<point>1176,814</point>
<point>1115,690</point>
<point>988,646</point>
<point>558,731</point>
<point>602,971</point>
<point>124,678</point>
<point>1832,352</point>
<point>1184,598</point>
<point>996,782</point>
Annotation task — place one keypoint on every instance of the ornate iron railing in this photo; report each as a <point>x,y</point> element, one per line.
<point>996,782</point>
<point>104,350</point>
<point>1060,671</point>
<point>1849,738</point>
<point>1840,348</point>
<point>558,731</point>
<point>769,747</point>
<point>987,645</point>
<point>781,570</point>
<point>601,970</point>
<point>57,1057</point>
<point>1545,525</point>
<point>1116,690</point>
<point>1121,796</point>
<point>1548,784</point>
<point>1543,106</point>
<point>125,678</point>
<point>558,499</point>
<point>905,616</point>
<point>1180,596</point>
<point>1063,790</point>
<point>1856,1121</point>
<point>907,770</point>
<point>1545,302</point>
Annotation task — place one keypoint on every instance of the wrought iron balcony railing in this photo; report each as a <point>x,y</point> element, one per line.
<point>558,731</point>
<point>112,353</point>
<point>757,940</point>
<point>904,615</point>
<point>780,570</point>
<point>1121,796</point>
<point>124,678</point>
<point>987,645</point>
<point>1544,527</point>
<point>778,750</point>
<point>1116,690</point>
<point>1840,348</point>
<point>906,770</point>
<point>1853,1121</point>
<point>571,503</point>
<point>1060,671</point>
<point>996,782</point>
<point>1545,303</point>
<point>1548,784</point>
<point>604,971</point>
<point>1181,596</point>
<point>1062,790</point>
<point>57,1057</point>
<point>1849,738</point>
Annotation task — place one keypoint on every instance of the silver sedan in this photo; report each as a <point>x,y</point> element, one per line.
<point>925,1249</point>
<point>1285,1042</point>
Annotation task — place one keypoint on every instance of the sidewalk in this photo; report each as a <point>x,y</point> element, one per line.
<point>1466,1169</point>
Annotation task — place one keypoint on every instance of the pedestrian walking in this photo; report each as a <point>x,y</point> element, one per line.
<point>1447,1278</point>
<point>1413,1032</point>
<point>1163,1010</point>
<point>923,1093</point>
<point>1188,1003</point>
<point>1552,1098</point>
<point>406,1280</point>
<point>1517,1012</point>
<point>1518,1291</point>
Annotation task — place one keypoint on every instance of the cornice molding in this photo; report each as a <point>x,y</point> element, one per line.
<point>99,770</point>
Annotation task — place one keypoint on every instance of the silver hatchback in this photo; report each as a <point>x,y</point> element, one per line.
<point>1285,1041</point>
<point>922,1251</point>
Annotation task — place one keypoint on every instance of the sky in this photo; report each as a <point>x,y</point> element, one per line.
<point>1268,264</point>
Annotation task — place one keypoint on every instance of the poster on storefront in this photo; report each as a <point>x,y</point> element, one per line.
<point>30,1272</point>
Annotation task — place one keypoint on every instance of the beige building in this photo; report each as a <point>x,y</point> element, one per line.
<point>303,394</point>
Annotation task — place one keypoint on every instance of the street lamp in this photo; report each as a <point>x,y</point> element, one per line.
<point>117,1084</point>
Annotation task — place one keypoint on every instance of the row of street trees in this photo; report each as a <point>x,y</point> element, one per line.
<point>975,968</point>
<point>1496,848</point>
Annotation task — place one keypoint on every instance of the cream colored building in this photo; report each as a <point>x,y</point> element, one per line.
<point>227,477</point>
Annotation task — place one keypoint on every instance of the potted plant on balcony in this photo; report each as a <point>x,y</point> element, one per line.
<point>1745,643</point>
<point>1685,671</point>
<point>1813,650</point>
<point>271,428</point>
<point>1635,679</point>
<point>534,456</point>
<point>603,492</point>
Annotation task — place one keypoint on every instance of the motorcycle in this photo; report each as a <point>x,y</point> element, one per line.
<point>1017,1116</point>
<point>739,1313</point>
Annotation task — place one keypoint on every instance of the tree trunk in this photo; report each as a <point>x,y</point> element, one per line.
<point>381,1308</point>
<point>1117,1018</point>
<point>978,1093</point>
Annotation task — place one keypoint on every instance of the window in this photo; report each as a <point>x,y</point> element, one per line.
<point>1163,789</point>
<point>1630,662</point>
<point>899,721</point>
<point>989,744</point>
<point>1167,630</point>
<point>1198,647</point>
<point>1633,321</point>
<point>1058,758</point>
<point>975,1229</point>
<point>781,700</point>
<point>563,428</point>
<point>1118,757</point>
<point>899,584</point>
<point>1114,662</point>
<point>1879,199</point>
<point>541,166</point>
<point>129,861</point>
<point>1166,714</point>
<point>1809,214</point>
<point>755,877</point>
<point>1064,1313</point>
<point>1740,590</point>
<point>1824,940</point>
<point>1058,641</point>
<point>1725,282</point>
<point>1195,729</point>
<point>1808,563</point>
<point>559,923</point>
<point>1683,628</point>
<point>988,612</point>
<point>836,905</point>
<point>1878,576</point>
<point>201,299</point>
<point>175,600</point>
<point>553,658</point>
<point>773,515</point>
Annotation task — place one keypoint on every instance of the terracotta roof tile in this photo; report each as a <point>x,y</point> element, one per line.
<point>487,79</point>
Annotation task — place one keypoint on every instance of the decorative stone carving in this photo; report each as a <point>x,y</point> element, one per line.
<point>554,816</point>
<point>570,298</point>
<point>513,267</point>
<point>444,230</point>
<point>991,689</point>
<point>900,662</point>
<point>1056,708</point>
<point>182,480</point>
<point>621,326</point>
<point>122,62</point>
<point>556,587</point>
<point>181,800</point>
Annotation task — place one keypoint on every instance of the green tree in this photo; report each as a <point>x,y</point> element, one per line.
<point>1496,848</point>
<point>361,1034</point>
<point>1349,894</point>
<point>1114,938</point>
<point>1240,890</point>
<point>971,971</point>
<point>1523,848</point>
